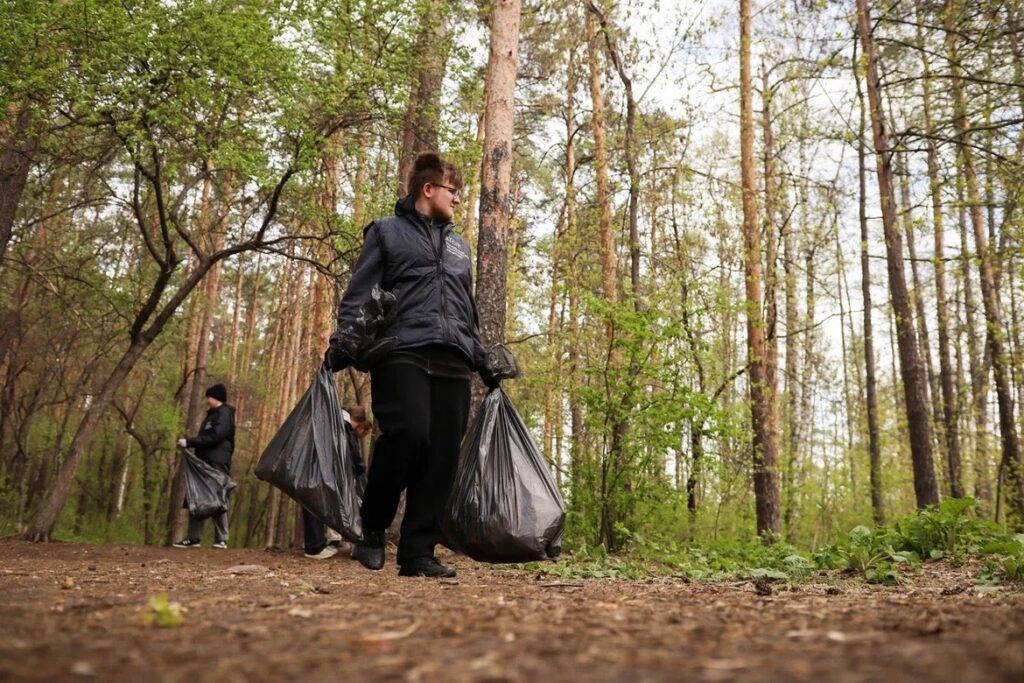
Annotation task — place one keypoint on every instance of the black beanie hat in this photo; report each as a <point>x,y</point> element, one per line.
<point>219,392</point>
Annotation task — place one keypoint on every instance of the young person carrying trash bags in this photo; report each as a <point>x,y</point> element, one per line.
<point>207,474</point>
<point>420,363</point>
<point>315,533</point>
<point>315,459</point>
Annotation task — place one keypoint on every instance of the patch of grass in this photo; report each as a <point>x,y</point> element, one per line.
<point>742,559</point>
<point>884,555</point>
<point>944,532</point>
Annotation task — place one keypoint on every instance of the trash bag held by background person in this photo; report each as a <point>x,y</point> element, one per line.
<point>504,505</point>
<point>310,460</point>
<point>206,487</point>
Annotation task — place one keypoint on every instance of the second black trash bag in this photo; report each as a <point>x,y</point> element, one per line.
<point>206,487</point>
<point>309,459</point>
<point>504,505</point>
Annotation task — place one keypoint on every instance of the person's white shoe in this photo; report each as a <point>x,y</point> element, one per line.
<point>327,553</point>
<point>220,545</point>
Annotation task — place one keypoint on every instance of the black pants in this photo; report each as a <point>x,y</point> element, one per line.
<point>314,532</point>
<point>422,419</point>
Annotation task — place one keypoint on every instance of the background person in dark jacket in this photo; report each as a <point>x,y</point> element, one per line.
<point>215,444</point>
<point>420,388</point>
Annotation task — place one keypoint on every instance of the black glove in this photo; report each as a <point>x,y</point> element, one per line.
<point>490,380</point>
<point>336,359</point>
<point>368,355</point>
<point>498,364</point>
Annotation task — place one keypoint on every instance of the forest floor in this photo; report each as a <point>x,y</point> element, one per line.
<point>77,612</point>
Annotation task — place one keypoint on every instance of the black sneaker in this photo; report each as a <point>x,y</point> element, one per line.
<point>370,551</point>
<point>186,543</point>
<point>426,566</point>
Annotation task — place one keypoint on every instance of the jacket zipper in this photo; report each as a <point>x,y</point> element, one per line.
<point>440,279</point>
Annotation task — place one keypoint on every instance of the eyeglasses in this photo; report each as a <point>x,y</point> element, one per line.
<point>454,190</point>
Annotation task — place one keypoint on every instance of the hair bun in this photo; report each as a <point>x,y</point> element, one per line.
<point>428,161</point>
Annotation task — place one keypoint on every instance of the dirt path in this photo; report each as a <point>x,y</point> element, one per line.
<point>73,612</point>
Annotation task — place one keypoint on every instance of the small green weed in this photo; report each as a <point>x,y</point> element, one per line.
<point>1007,562</point>
<point>163,613</point>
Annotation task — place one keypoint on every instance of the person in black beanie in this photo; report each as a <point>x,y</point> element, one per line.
<point>215,444</point>
<point>421,387</point>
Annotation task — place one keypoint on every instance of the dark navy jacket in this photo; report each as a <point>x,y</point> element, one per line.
<point>216,440</point>
<point>427,267</point>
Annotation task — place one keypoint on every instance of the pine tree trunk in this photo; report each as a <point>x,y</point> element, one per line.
<point>911,369</point>
<point>950,408</point>
<point>762,394</point>
<point>609,259</point>
<point>917,296</point>
<point>20,143</point>
<point>423,113</point>
<point>574,246</point>
<point>870,382</point>
<point>236,318</point>
<point>496,175</point>
<point>629,150</point>
<point>977,365</point>
<point>995,326</point>
<point>204,308</point>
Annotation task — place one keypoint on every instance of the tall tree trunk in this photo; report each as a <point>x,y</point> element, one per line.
<point>496,176</point>
<point>791,373</point>
<point>19,144</point>
<point>609,265</point>
<point>977,364</point>
<point>950,408</point>
<point>574,249</point>
<point>765,444</point>
<point>917,293</point>
<point>911,370</point>
<point>236,318</point>
<point>771,232</point>
<point>995,326</point>
<point>204,308</point>
<point>870,383</point>
<point>629,145</point>
<point>423,113</point>
<point>469,225</point>
<point>609,257</point>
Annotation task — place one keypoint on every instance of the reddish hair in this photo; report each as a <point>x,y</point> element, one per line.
<point>430,167</point>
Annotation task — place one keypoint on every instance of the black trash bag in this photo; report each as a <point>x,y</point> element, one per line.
<point>500,363</point>
<point>361,340</point>
<point>206,487</point>
<point>309,459</point>
<point>504,505</point>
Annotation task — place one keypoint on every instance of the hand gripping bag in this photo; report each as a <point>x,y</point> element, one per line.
<point>206,487</point>
<point>504,505</point>
<point>309,459</point>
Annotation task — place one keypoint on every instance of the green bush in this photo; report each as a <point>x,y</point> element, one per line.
<point>947,531</point>
<point>881,555</point>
